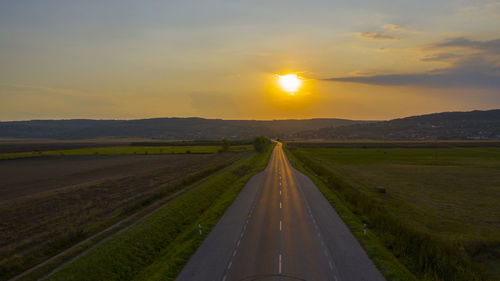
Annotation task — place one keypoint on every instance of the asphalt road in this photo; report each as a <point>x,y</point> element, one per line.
<point>280,227</point>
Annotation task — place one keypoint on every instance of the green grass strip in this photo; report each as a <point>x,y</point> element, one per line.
<point>124,150</point>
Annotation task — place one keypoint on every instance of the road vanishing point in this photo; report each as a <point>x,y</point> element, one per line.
<point>280,227</point>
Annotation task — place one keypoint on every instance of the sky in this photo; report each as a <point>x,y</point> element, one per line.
<point>358,59</point>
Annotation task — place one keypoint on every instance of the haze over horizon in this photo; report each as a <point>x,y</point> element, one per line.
<point>357,60</point>
<point>235,119</point>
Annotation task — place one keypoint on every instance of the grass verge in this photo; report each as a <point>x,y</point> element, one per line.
<point>170,234</point>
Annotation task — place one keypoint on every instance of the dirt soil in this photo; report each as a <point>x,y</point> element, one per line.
<point>46,200</point>
<point>33,176</point>
<point>22,145</point>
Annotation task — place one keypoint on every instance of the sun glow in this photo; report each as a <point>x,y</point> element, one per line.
<point>290,83</point>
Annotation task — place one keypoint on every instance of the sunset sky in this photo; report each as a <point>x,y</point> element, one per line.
<point>357,59</point>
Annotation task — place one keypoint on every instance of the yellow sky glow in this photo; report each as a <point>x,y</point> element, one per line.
<point>237,61</point>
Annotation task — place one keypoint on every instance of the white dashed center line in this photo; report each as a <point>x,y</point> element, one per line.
<point>318,233</point>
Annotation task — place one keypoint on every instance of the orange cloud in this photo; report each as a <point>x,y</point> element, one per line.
<point>376,36</point>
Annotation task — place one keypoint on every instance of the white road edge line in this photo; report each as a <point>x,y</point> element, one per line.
<point>330,264</point>
<point>279,268</point>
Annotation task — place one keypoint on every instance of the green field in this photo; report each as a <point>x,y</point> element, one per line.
<point>446,201</point>
<point>124,150</point>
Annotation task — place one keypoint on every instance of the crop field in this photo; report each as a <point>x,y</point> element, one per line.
<point>159,247</point>
<point>446,200</point>
<point>391,144</point>
<point>49,203</point>
<point>123,150</point>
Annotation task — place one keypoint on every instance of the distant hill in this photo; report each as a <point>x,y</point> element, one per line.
<point>437,126</point>
<point>447,125</point>
<point>162,128</point>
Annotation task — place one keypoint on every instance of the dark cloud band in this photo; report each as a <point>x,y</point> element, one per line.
<point>442,80</point>
<point>478,70</point>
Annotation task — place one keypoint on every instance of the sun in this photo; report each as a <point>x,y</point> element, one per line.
<point>290,83</point>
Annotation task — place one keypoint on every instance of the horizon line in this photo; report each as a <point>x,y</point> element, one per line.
<point>262,120</point>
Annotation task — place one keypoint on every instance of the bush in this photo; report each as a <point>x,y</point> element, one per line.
<point>260,143</point>
<point>225,145</point>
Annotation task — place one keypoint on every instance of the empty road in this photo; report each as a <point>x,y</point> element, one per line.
<point>280,227</point>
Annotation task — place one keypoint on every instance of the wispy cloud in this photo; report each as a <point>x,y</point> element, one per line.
<point>376,36</point>
<point>397,28</point>
<point>444,57</point>
<point>388,33</point>
<point>491,46</point>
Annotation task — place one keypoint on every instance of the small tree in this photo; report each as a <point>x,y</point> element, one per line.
<point>225,145</point>
<point>260,143</point>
